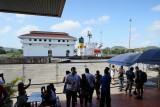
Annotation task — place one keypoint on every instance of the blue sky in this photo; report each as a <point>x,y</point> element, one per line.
<point>111,17</point>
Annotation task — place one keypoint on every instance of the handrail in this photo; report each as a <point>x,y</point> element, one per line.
<point>35,84</point>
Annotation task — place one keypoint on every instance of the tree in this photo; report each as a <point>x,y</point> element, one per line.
<point>2,51</point>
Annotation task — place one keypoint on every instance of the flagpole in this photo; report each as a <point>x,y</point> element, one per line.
<point>130,35</point>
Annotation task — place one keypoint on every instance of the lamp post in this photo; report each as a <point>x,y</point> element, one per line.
<point>130,35</point>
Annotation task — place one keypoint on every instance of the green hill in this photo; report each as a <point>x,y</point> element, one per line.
<point>118,47</point>
<point>150,47</point>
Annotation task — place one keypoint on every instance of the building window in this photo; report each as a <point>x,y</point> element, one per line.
<point>35,39</point>
<point>49,40</point>
<point>40,39</point>
<point>67,40</point>
<point>67,45</point>
<point>30,44</point>
<point>63,40</point>
<point>49,44</point>
<point>45,40</point>
<point>58,40</point>
<point>30,39</point>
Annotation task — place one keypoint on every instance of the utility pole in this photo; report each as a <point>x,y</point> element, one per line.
<point>130,35</point>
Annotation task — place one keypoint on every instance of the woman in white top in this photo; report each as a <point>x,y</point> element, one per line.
<point>112,73</point>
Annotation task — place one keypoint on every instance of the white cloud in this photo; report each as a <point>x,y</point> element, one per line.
<point>133,29</point>
<point>85,31</point>
<point>8,19</point>
<point>144,44</point>
<point>100,19</point>
<point>26,29</point>
<point>20,15</point>
<point>155,26</point>
<point>135,37</point>
<point>103,18</point>
<point>68,25</point>
<point>153,36</point>
<point>92,21</point>
<point>5,29</point>
<point>20,21</point>
<point>156,8</point>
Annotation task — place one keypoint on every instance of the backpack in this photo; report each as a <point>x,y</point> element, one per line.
<point>142,77</point>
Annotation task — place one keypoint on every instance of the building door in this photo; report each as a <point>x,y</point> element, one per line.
<point>49,53</point>
<point>67,53</point>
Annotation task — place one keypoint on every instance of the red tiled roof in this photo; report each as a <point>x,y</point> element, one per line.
<point>48,34</point>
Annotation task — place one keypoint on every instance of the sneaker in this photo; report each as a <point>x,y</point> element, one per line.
<point>125,93</point>
<point>120,90</point>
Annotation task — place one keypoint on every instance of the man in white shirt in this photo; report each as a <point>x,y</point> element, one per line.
<point>72,82</point>
<point>91,80</point>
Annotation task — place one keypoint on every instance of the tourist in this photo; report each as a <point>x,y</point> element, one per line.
<point>64,89</point>
<point>105,89</point>
<point>139,84</point>
<point>3,80</point>
<point>97,83</point>
<point>78,87</point>
<point>130,76</point>
<point>71,81</point>
<point>5,95</point>
<point>84,90</point>
<point>91,80</point>
<point>49,96</point>
<point>120,78</point>
<point>22,95</point>
<point>112,70</point>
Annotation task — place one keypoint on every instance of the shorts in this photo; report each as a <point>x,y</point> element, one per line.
<point>139,85</point>
<point>129,85</point>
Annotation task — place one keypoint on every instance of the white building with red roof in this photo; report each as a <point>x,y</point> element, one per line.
<point>44,44</point>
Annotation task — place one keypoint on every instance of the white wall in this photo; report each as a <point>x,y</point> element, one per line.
<point>42,50</point>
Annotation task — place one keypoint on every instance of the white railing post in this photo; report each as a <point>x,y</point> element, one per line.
<point>23,68</point>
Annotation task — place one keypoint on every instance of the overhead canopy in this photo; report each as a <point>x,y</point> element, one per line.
<point>33,7</point>
<point>151,56</point>
<point>126,59</point>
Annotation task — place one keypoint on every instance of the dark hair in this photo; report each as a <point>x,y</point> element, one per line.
<point>106,71</point>
<point>67,72</point>
<point>122,67</point>
<point>73,69</point>
<point>20,86</point>
<point>52,87</point>
<point>87,70</point>
<point>137,67</point>
<point>112,65</point>
<point>131,68</point>
<point>97,71</point>
<point>107,68</point>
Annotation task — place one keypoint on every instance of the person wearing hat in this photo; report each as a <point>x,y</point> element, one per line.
<point>120,78</point>
<point>97,83</point>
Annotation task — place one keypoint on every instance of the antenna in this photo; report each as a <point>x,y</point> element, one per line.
<point>89,35</point>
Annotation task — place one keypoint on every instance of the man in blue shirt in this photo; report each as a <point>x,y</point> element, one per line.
<point>105,89</point>
<point>130,75</point>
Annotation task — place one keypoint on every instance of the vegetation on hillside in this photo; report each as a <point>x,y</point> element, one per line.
<point>121,50</point>
<point>10,53</point>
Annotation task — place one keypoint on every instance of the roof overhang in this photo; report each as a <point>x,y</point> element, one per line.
<point>52,8</point>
